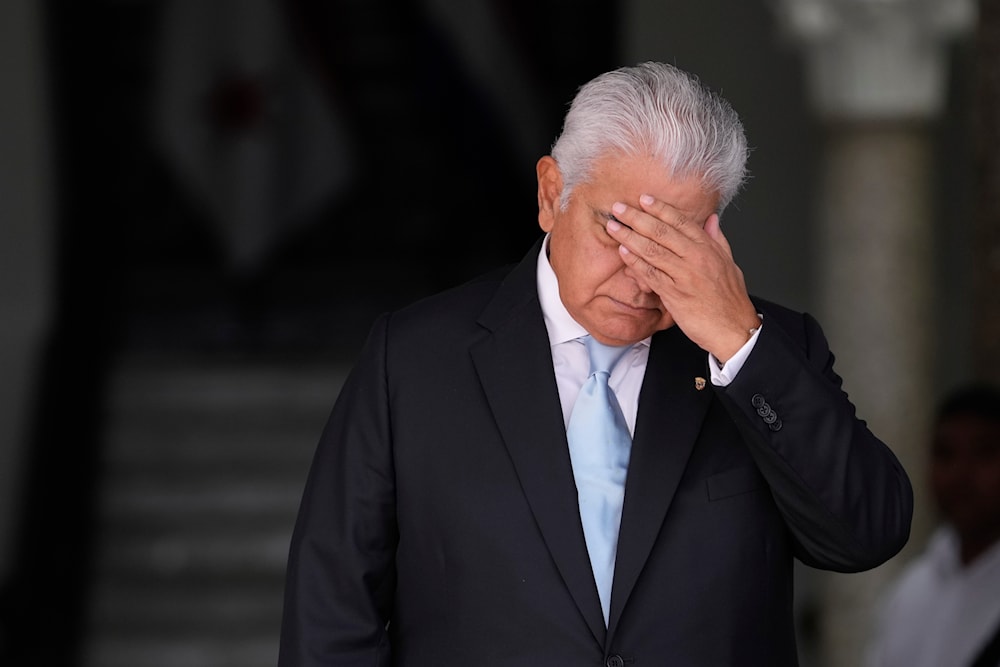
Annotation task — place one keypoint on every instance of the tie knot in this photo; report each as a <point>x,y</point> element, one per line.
<point>602,357</point>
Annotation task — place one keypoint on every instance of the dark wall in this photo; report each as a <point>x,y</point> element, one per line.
<point>435,186</point>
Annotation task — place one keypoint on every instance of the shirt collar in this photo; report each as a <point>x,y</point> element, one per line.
<point>944,552</point>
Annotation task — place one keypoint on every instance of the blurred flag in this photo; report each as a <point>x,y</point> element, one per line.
<point>246,128</point>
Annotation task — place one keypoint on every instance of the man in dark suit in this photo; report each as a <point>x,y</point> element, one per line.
<point>442,519</point>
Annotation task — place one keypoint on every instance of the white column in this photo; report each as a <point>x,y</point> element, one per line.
<point>877,80</point>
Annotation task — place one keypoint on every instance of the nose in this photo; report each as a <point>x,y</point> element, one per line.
<point>635,277</point>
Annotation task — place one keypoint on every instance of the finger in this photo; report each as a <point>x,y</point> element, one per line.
<point>657,241</point>
<point>654,252</point>
<point>664,230</point>
<point>647,275</point>
<point>672,216</point>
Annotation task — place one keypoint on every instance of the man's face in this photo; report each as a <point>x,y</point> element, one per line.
<point>600,292</point>
<point>965,474</point>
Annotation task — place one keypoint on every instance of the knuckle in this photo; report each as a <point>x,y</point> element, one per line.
<point>651,248</point>
<point>660,232</point>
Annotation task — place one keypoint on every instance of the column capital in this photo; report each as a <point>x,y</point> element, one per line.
<point>876,59</point>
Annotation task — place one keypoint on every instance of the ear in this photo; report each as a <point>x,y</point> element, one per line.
<point>550,186</point>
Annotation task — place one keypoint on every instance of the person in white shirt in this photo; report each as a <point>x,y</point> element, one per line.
<point>944,609</point>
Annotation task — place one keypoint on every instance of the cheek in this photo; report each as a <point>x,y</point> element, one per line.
<point>609,280</point>
<point>605,260</point>
<point>609,266</point>
<point>594,268</point>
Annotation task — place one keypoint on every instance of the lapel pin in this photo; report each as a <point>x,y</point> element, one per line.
<point>699,383</point>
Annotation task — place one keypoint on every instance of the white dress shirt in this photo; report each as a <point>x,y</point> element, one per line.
<point>938,613</point>
<point>572,366</point>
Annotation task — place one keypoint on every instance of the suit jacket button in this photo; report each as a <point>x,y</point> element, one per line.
<point>614,661</point>
<point>757,401</point>
<point>776,426</point>
<point>771,417</point>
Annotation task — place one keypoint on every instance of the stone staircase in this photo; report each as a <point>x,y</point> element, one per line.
<point>203,468</point>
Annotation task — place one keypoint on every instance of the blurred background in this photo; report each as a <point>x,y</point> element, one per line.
<point>204,204</point>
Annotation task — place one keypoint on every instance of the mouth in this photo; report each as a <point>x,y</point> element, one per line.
<point>636,309</point>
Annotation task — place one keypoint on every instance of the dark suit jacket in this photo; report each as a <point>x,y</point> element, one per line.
<point>439,524</point>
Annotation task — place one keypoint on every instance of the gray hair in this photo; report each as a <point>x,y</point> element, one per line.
<point>656,110</point>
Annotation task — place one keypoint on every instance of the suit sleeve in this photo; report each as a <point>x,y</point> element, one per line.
<point>842,492</point>
<point>340,578</point>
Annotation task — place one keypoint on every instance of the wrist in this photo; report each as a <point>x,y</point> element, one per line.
<point>738,341</point>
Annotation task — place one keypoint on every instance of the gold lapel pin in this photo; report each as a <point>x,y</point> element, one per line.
<point>699,383</point>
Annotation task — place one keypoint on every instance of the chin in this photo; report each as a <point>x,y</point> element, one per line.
<point>626,335</point>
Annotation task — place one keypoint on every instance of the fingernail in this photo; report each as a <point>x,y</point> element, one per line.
<point>646,200</point>
<point>618,208</point>
<point>614,225</point>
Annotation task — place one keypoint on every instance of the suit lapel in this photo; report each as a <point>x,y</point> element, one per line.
<point>670,414</point>
<point>515,368</point>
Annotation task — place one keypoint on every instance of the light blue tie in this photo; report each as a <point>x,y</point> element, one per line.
<point>599,445</point>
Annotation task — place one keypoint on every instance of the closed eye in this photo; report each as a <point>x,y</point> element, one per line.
<point>606,216</point>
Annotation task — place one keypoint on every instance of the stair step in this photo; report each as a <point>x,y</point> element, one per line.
<point>239,610</point>
<point>220,550</point>
<point>160,440</point>
<point>203,471</point>
<point>182,652</point>
<point>150,494</point>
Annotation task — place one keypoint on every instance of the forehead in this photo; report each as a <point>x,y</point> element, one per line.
<point>623,177</point>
